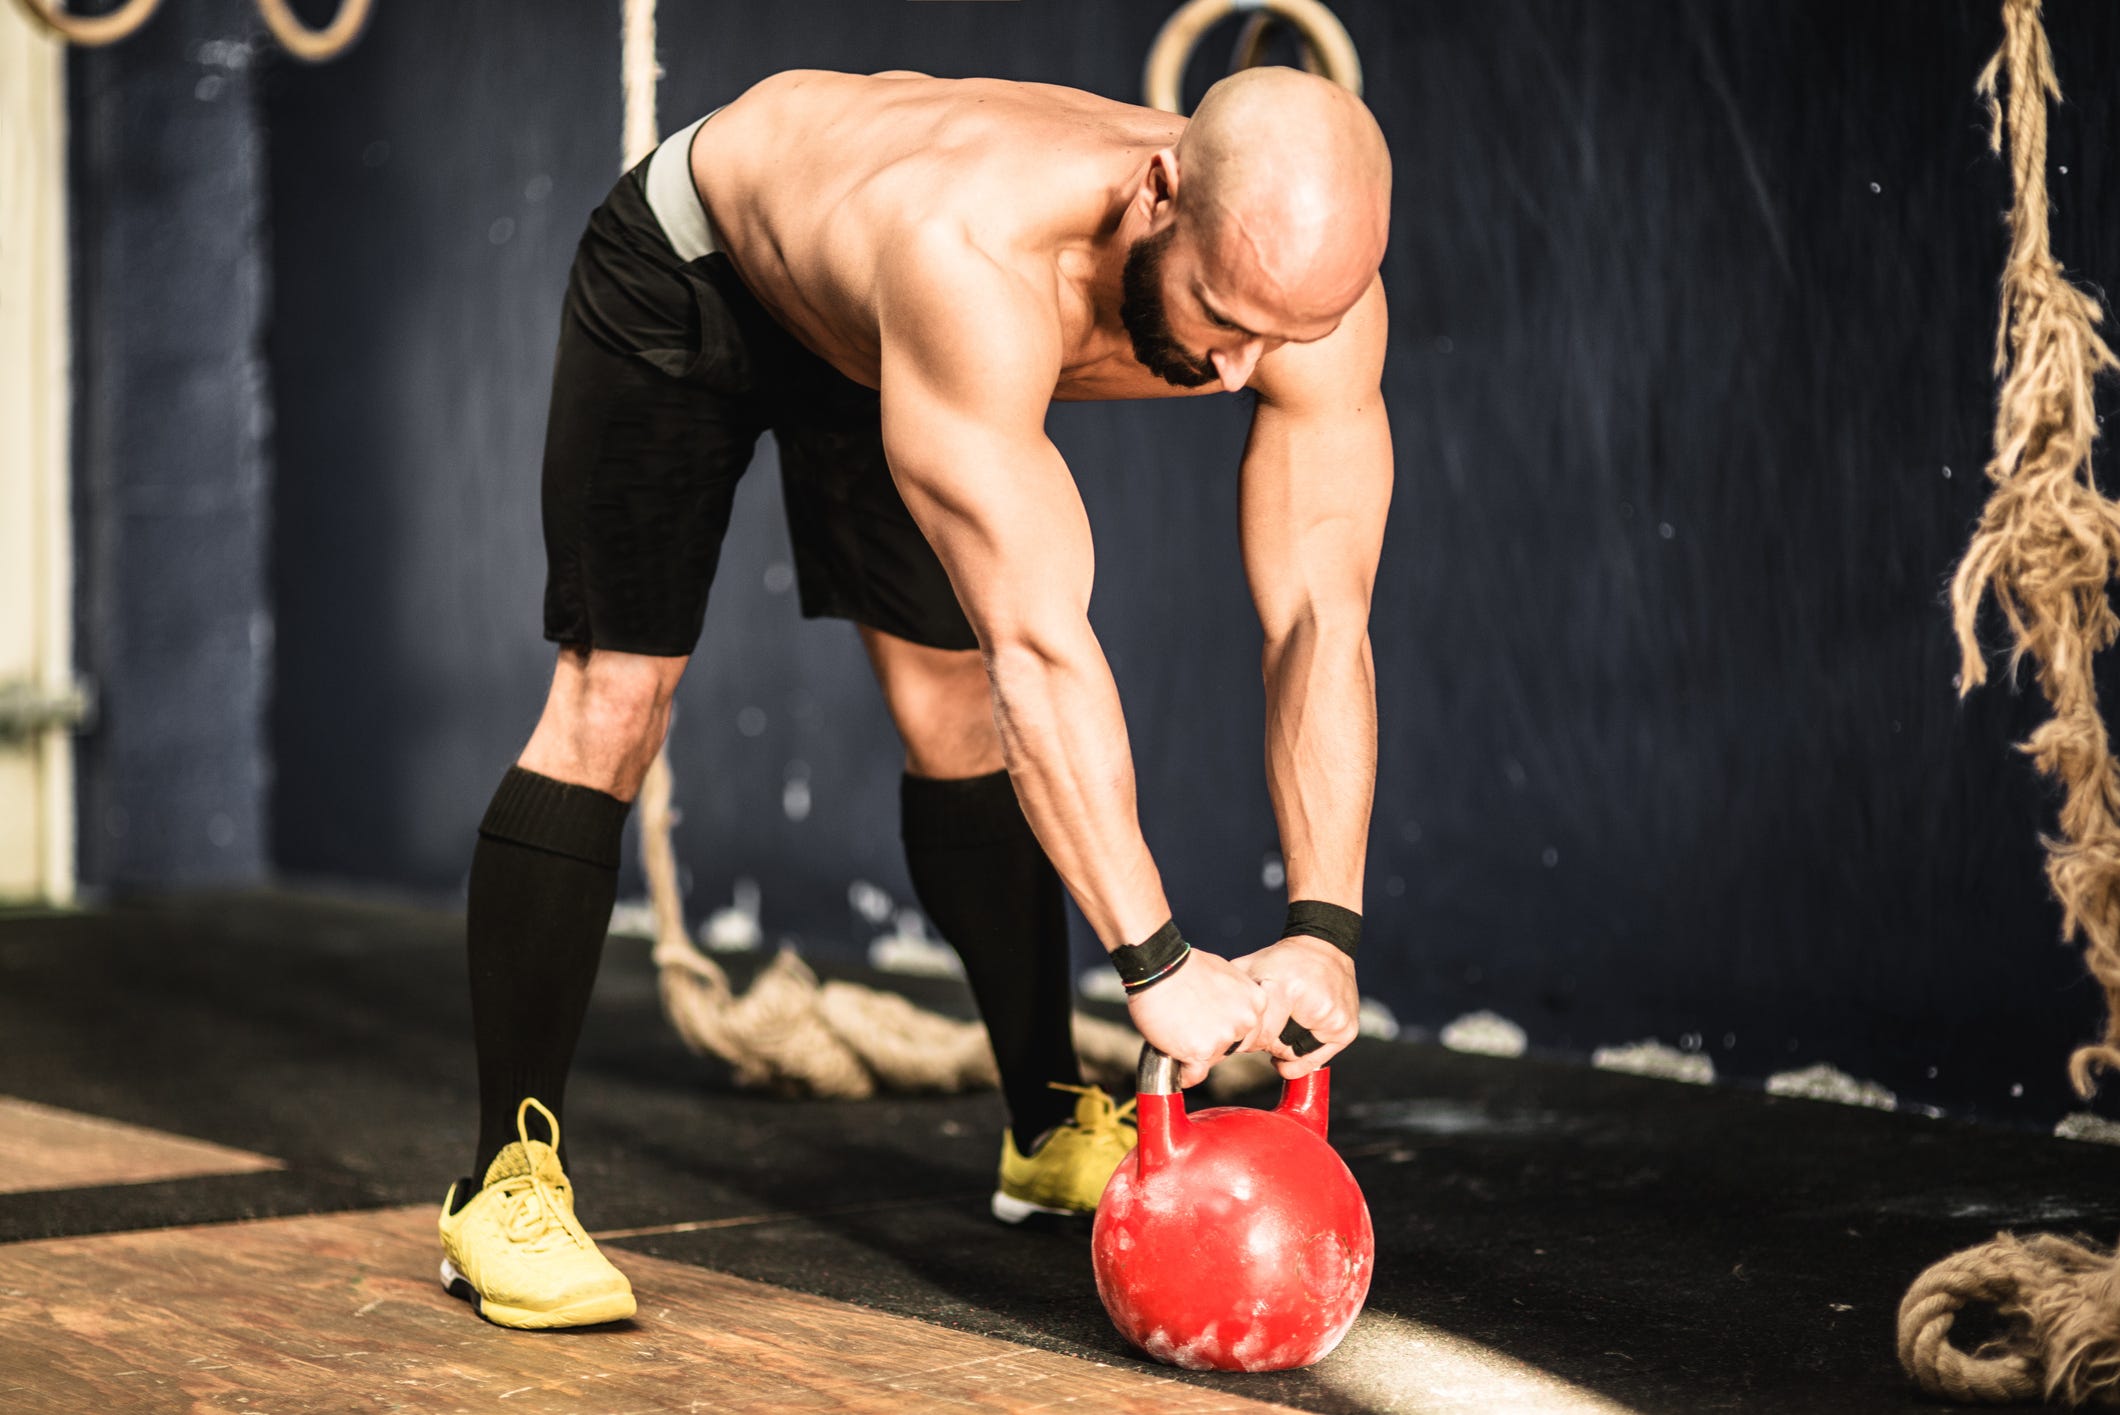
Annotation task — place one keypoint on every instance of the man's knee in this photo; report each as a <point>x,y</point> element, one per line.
<point>604,719</point>
<point>946,719</point>
<point>624,698</point>
<point>940,703</point>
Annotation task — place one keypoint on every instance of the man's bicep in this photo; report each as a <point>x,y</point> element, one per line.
<point>1317,475</point>
<point>1003,516</point>
<point>1314,501</point>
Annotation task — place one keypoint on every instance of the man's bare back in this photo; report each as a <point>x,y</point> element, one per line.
<point>812,178</point>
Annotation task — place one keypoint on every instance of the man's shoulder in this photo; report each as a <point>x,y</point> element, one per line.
<point>1324,372</point>
<point>937,282</point>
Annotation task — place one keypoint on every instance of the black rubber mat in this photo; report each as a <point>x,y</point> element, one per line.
<point>1665,1247</point>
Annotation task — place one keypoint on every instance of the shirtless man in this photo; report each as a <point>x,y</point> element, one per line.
<point>897,274</point>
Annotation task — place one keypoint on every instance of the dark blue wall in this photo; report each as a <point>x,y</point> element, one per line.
<point>1692,310</point>
<point>173,478</point>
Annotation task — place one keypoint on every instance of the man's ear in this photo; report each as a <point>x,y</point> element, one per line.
<point>1160,187</point>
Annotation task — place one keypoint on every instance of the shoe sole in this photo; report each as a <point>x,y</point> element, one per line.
<point>1012,1210</point>
<point>614,1307</point>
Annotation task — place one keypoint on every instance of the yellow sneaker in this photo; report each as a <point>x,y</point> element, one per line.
<point>1066,1170</point>
<point>515,1251</point>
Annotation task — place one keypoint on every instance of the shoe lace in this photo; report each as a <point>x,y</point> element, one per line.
<point>538,1217</point>
<point>1104,1115</point>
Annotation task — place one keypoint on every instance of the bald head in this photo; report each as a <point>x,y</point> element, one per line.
<point>1264,226</point>
<point>1285,181</point>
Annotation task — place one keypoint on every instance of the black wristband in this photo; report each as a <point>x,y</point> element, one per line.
<point>1342,928</point>
<point>1143,965</point>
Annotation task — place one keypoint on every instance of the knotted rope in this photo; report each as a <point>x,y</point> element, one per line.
<point>2058,1301</point>
<point>2047,546</point>
<point>793,1035</point>
<point>787,1032</point>
<point>2049,541</point>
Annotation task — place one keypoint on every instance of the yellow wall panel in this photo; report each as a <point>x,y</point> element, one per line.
<point>36,772</point>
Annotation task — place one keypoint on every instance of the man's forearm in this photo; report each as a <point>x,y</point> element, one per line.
<point>1064,737</point>
<point>1321,754</point>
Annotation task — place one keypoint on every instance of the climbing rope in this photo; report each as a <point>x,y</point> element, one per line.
<point>2047,546</point>
<point>2057,1301</point>
<point>788,1032</point>
<point>640,75</point>
<point>2048,542</point>
<point>1324,39</point>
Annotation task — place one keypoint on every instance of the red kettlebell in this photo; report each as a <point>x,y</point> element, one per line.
<point>1235,1239</point>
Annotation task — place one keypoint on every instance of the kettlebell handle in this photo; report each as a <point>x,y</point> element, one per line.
<point>1157,1075</point>
<point>1160,1105</point>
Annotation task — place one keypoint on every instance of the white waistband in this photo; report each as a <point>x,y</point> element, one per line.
<point>675,200</point>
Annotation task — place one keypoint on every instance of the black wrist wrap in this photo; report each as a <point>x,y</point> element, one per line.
<point>1342,928</point>
<point>1143,965</point>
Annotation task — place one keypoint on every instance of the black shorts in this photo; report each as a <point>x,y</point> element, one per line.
<point>668,371</point>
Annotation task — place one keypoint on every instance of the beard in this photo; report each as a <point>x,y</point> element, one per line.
<point>1147,323</point>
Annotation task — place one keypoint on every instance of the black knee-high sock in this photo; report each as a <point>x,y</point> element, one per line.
<point>543,878</point>
<point>984,880</point>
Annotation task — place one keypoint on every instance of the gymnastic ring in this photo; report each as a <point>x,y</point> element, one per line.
<point>91,31</point>
<point>314,46</point>
<point>1320,29</point>
<point>1251,43</point>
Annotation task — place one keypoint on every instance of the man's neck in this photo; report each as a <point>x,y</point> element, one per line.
<point>1091,266</point>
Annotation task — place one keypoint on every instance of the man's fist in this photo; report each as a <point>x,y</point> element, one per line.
<point>1200,1014</point>
<point>1308,980</point>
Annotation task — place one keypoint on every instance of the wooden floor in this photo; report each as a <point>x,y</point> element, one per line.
<point>344,1312</point>
<point>42,1147</point>
<point>1549,1238</point>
